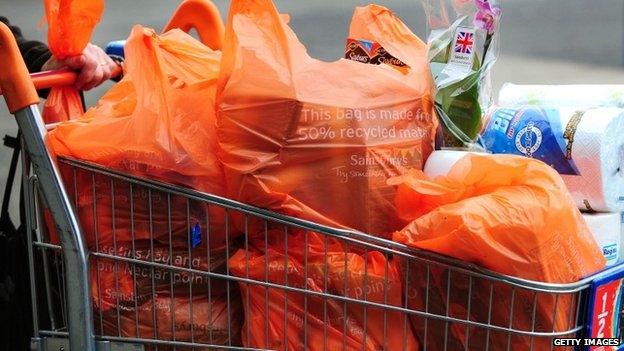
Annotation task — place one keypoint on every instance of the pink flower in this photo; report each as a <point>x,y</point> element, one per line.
<point>487,16</point>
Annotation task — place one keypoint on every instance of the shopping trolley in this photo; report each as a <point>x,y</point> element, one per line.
<point>119,262</point>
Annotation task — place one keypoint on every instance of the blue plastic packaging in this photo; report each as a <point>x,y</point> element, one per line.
<point>116,48</point>
<point>532,132</point>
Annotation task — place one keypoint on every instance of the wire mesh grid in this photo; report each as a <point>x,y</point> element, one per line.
<point>174,269</point>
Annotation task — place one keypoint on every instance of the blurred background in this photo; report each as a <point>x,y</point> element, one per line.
<point>543,41</point>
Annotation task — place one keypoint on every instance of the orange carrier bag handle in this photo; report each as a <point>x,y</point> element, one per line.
<point>204,17</point>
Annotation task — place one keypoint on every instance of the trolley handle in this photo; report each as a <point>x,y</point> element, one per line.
<point>61,77</point>
<point>41,80</point>
<point>18,90</point>
<point>204,17</point>
<point>17,85</point>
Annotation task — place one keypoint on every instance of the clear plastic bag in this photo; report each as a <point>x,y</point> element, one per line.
<point>463,46</point>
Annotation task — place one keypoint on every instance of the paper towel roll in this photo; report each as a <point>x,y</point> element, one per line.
<point>606,228</point>
<point>587,148</point>
<point>579,96</point>
<point>440,162</point>
<point>598,151</point>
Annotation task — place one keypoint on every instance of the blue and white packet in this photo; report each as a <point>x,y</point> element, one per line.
<point>532,132</point>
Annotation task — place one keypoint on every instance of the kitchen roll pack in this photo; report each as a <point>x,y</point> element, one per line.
<point>606,228</point>
<point>585,146</point>
<point>579,96</point>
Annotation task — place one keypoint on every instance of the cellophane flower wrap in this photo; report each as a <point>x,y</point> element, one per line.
<point>463,46</point>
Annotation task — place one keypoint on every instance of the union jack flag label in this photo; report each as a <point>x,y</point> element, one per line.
<point>462,53</point>
<point>464,42</point>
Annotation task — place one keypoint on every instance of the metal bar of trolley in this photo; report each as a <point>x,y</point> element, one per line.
<point>22,100</point>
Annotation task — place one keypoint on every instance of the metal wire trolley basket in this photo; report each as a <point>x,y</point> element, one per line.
<point>170,286</point>
<point>119,262</point>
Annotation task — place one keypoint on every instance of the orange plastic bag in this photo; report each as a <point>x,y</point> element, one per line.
<point>511,215</point>
<point>319,140</point>
<point>70,25</point>
<point>120,213</point>
<point>293,319</point>
<point>127,297</point>
<point>62,104</point>
<point>449,294</point>
<point>158,122</point>
<point>137,279</point>
<point>212,321</point>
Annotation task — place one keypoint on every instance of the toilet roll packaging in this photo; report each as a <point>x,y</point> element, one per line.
<point>579,96</point>
<point>607,230</point>
<point>585,146</point>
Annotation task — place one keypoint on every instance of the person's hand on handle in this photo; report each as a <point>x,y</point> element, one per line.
<point>94,67</point>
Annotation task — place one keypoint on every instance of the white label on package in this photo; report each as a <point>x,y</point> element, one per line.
<point>462,52</point>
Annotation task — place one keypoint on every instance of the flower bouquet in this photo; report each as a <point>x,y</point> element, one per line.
<point>463,45</point>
